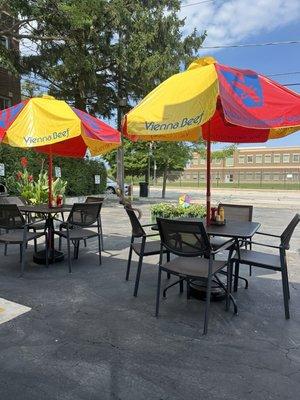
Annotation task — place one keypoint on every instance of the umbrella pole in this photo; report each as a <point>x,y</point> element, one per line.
<point>50,180</point>
<point>208,166</point>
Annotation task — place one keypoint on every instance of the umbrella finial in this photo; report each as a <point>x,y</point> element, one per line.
<point>202,62</point>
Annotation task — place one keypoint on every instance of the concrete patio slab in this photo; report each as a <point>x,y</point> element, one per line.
<point>88,338</point>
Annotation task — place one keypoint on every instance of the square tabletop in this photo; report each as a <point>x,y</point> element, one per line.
<point>44,209</point>
<point>233,229</point>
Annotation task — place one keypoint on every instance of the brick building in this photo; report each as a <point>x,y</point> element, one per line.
<point>249,164</point>
<point>10,87</point>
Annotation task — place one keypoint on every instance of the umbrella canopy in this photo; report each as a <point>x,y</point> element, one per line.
<point>216,103</point>
<point>53,127</point>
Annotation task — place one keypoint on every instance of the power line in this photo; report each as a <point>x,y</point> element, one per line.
<point>250,45</point>
<point>285,73</point>
<point>198,2</point>
<point>291,84</point>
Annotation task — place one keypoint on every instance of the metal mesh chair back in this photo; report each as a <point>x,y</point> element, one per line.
<point>288,232</point>
<point>237,212</point>
<point>137,229</point>
<point>94,199</point>
<point>13,200</point>
<point>184,238</point>
<point>11,217</point>
<point>84,214</point>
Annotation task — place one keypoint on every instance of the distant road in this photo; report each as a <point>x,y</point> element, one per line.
<point>261,198</point>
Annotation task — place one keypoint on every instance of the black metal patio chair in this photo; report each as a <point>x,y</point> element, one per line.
<point>274,262</point>
<point>94,199</point>
<point>82,217</point>
<point>142,248</point>
<point>195,259</point>
<point>36,224</point>
<point>17,231</point>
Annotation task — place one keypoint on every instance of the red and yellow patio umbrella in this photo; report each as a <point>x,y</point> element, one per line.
<point>53,127</point>
<point>218,104</point>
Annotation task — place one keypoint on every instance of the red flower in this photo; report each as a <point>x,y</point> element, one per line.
<point>19,175</point>
<point>30,178</point>
<point>24,162</point>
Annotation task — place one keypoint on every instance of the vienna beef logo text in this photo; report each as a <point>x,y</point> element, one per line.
<point>185,122</point>
<point>30,141</point>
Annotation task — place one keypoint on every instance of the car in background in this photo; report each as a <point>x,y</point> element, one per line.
<point>111,187</point>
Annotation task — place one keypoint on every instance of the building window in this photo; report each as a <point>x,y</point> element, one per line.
<point>4,41</point>
<point>217,161</point>
<point>4,103</point>
<point>202,161</point>
<point>249,176</point>
<point>268,158</point>
<point>187,176</point>
<point>195,162</point>
<point>257,176</point>
<point>229,162</point>
<point>258,159</point>
<point>277,158</point>
<point>296,158</point>
<point>250,159</point>
<point>276,177</point>
<point>286,158</point>
<point>241,159</point>
<point>267,176</point>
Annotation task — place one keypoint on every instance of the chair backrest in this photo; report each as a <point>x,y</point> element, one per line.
<point>11,217</point>
<point>137,229</point>
<point>288,232</point>
<point>94,199</point>
<point>237,212</point>
<point>84,214</point>
<point>13,200</point>
<point>184,238</point>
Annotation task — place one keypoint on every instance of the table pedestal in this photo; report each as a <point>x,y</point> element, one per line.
<point>53,256</point>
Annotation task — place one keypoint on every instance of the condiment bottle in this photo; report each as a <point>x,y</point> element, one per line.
<point>221,213</point>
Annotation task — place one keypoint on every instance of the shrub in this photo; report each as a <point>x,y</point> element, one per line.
<point>168,210</point>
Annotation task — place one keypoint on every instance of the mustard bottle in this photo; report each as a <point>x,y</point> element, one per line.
<point>221,213</point>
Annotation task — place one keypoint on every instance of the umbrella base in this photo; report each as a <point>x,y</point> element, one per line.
<point>53,257</point>
<point>198,290</point>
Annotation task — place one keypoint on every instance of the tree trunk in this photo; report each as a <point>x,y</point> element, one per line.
<point>165,175</point>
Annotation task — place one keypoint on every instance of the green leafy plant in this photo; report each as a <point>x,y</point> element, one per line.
<point>168,210</point>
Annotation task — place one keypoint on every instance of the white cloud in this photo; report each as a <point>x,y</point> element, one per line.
<point>234,21</point>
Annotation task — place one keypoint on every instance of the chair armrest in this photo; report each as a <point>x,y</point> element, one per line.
<point>266,245</point>
<point>225,246</point>
<point>152,234</point>
<point>148,225</point>
<point>267,234</point>
<point>29,224</point>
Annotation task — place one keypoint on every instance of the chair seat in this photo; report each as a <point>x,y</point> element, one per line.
<point>16,237</point>
<point>195,267</point>
<point>77,234</point>
<point>258,259</point>
<point>217,242</point>
<point>152,247</point>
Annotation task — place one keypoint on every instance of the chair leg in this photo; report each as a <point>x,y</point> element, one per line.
<point>69,255</point>
<point>207,304</point>
<point>236,276</point>
<point>168,260</point>
<point>99,249</point>
<point>158,292</point>
<point>285,292</point>
<point>138,275</point>
<point>21,253</point>
<point>47,251</point>
<point>181,286</point>
<point>129,262</point>
<point>5,249</point>
<point>84,242</point>
<point>188,289</point>
<point>23,257</point>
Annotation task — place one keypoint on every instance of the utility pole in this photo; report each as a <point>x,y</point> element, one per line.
<point>120,152</point>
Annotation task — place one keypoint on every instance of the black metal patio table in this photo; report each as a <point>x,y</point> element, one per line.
<point>238,230</point>
<point>49,212</point>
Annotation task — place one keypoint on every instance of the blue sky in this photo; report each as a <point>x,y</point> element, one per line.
<point>256,21</point>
